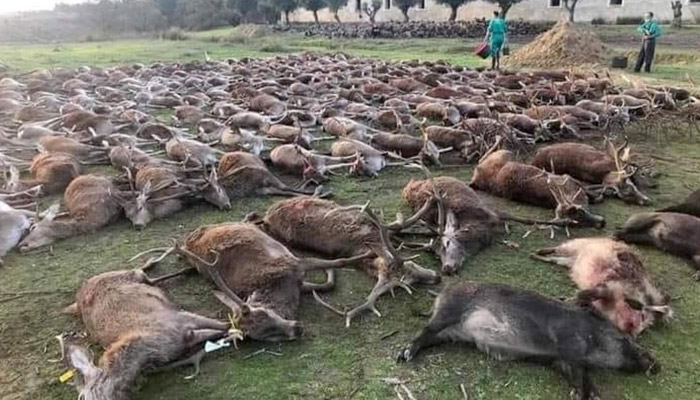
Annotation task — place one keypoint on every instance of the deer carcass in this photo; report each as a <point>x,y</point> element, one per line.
<point>500,175</point>
<point>244,262</point>
<point>13,225</point>
<point>324,227</point>
<point>611,278</point>
<point>588,164</point>
<point>297,160</point>
<point>509,323</point>
<point>243,176</point>
<point>192,153</point>
<point>139,328</point>
<point>91,205</point>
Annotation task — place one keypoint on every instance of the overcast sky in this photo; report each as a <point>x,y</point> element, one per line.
<point>7,6</point>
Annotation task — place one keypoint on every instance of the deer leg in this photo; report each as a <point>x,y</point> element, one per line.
<point>556,260</point>
<point>417,274</point>
<point>203,335</point>
<point>204,322</point>
<point>307,287</point>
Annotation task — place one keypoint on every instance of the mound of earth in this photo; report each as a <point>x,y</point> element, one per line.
<point>564,45</point>
<point>251,31</point>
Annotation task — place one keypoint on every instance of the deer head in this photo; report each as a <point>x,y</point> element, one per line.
<point>569,208</point>
<point>620,180</point>
<point>46,231</point>
<point>92,382</point>
<point>213,192</point>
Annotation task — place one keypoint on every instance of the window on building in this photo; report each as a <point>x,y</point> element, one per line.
<point>555,3</point>
<point>387,4</point>
<point>358,5</point>
<point>421,4</point>
<point>615,2</point>
<point>695,1</point>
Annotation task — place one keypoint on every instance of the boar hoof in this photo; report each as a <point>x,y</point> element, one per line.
<point>404,355</point>
<point>578,394</point>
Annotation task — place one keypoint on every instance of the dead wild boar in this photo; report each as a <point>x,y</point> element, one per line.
<point>677,234</point>
<point>509,323</point>
<point>690,206</point>
<point>612,279</point>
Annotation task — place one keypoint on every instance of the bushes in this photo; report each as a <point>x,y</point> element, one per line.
<point>599,21</point>
<point>629,20</point>
<point>175,34</point>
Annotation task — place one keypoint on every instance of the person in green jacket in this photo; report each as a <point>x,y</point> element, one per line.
<point>496,35</point>
<point>650,29</point>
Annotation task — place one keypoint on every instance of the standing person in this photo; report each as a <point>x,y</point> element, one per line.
<point>497,38</point>
<point>650,29</point>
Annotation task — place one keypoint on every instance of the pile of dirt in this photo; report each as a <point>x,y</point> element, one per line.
<point>564,45</point>
<point>251,31</point>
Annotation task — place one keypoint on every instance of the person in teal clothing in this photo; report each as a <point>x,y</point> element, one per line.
<point>650,29</point>
<point>496,35</point>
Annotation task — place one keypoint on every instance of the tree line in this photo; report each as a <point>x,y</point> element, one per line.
<point>155,15</point>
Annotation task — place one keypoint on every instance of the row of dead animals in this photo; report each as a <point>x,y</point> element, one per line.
<point>158,188</point>
<point>141,329</point>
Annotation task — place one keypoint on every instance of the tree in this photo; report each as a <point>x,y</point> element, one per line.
<point>570,6</point>
<point>335,6</point>
<point>314,6</point>
<point>404,6</point>
<point>371,9</point>
<point>285,6</point>
<point>169,9</point>
<point>505,5</point>
<point>454,7</point>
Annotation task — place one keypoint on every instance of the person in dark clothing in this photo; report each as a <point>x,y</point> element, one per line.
<point>650,29</point>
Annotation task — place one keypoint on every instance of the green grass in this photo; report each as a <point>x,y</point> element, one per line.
<point>332,362</point>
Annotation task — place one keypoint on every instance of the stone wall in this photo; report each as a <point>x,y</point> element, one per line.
<point>534,10</point>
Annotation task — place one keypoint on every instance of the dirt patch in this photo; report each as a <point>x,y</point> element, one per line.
<point>564,45</point>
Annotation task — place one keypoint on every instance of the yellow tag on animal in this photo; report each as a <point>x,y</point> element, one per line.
<point>66,376</point>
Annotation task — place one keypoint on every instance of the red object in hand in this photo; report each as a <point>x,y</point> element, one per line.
<point>483,50</point>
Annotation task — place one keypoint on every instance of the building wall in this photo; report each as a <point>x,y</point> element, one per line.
<point>533,10</point>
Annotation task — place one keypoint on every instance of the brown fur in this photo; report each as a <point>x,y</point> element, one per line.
<point>581,161</point>
<point>54,171</point>
<point>499,175</point>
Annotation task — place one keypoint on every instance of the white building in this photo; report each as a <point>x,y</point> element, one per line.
<point>534,10</point>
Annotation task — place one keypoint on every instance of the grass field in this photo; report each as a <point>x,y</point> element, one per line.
<point>332,362</point>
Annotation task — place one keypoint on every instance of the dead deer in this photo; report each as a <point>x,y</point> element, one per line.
<point>324,227</point>
<point>236,139</point>
<point>369,160</point>
<point>611,278</point>
<point>608,171</point>
<point>91,205</point>
<point>139,328</point>
<point>246,175</point>
<point>269,276</point>
<point>408,146</point>
<point>343,127</point>
<point>439,111</point>
<point>677,234</point>
<point>307,164</point>
<point>192,153</point>
<point>13,225</point>
<point>66,145</point>
<point>53,171</point>
<point>499,175</point>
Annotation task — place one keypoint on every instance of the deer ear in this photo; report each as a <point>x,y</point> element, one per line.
<point>71,309</point>
<point>228,302</point>
<point>79,358</point>
<point>51,212</point>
